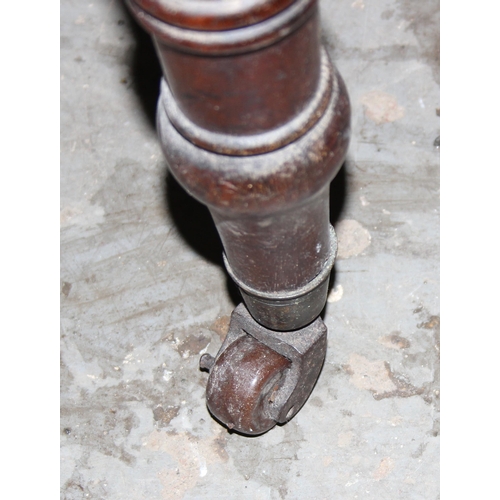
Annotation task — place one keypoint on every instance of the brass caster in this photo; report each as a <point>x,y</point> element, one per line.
<point>262,377</point>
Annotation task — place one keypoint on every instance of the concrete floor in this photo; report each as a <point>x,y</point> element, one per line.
<point>144,292</point>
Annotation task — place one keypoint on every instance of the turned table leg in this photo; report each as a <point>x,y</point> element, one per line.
<point>254,121</point>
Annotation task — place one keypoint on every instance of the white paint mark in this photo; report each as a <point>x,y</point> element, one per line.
<point>203,351</point>
<point>203,469</point>
<point>364,201</point>
<point>335,294</point>
<point>201,459</point>
<point>421,102</point>
<point>403,25</point>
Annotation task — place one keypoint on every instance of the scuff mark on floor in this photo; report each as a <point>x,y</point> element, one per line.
<point>378,378</point>
<point>381,107</point>
<point>193,456</point>
<point>192,345</point>
<point>369,375</point>
<point>404,389</point>
<point>353,238</point>
<point>163,416</point>
<point>385,467</point>
<point>395,341</point>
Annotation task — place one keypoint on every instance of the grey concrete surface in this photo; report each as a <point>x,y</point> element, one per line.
<point>144,292</point>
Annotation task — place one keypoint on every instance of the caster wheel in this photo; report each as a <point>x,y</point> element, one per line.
<point>242,383</point>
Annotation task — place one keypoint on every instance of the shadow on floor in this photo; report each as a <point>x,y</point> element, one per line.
<point>195,224</point>
<point>145,69</point>
<point>338,198</point>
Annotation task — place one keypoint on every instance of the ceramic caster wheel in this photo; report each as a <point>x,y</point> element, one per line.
<point>242,383</point>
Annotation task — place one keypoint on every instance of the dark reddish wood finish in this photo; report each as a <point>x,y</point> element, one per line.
<point>246,93</point>
<point>248,371</point>
<point>213,15</point>
<point>272,210</point>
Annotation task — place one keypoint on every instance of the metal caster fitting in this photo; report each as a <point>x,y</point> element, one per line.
<point>262,377</point>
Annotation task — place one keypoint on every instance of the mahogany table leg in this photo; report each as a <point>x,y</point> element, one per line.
<point>254,121</point>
